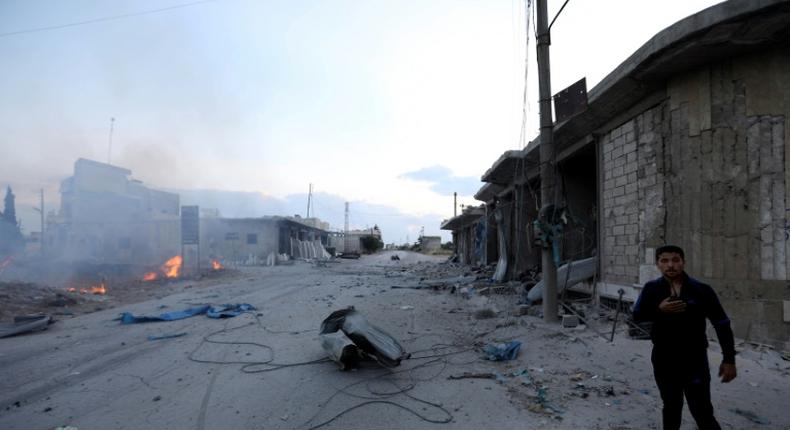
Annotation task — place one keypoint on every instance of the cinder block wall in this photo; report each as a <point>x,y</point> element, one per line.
<point>706,169</point>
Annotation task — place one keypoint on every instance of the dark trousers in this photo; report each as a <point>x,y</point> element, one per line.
<point>679,374</point>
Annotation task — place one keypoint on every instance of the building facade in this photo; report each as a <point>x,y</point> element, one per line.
<point>685,142</point>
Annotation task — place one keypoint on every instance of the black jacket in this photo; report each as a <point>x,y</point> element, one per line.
<point>685,330</point>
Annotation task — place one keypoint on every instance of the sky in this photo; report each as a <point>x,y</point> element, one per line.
<point>389,105</point>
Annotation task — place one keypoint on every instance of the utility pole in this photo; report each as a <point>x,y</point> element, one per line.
<point>109,146</point>
<point>345,232</point>
<point>455,205</point>
<point>40,210</point>
<point>547,170</point>
<point>309,199</point>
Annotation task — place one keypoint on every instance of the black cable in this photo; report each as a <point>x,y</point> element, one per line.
<point>558,14</point>
<point>404,391</point>
<point>108,18</point>
<point>374,397</point>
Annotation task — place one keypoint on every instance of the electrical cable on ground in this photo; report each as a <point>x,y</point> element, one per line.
<point>373,396</point>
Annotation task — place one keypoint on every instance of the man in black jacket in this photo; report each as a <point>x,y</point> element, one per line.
<point>678,305</point>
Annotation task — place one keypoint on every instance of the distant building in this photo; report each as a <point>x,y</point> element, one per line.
<point>431,243</point>
<point>255,241</point>
<point>106,216</point>
<point>468,243</point>
<point>351,241</point>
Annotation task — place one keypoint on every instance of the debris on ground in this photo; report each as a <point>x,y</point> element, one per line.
<point>751,416</point>
<point>502,351</point>
<point>25,324</point>
<point>165,336</point>
<point>468,375</point>
<point>485,313</point>
<point>348,338</point>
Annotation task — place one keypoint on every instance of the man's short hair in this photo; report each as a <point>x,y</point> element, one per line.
<point>670,248</point>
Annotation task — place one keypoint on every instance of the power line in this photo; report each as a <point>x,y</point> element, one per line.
<point>104,19</point>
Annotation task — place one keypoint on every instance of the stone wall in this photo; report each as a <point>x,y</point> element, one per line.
<point>706,169</point>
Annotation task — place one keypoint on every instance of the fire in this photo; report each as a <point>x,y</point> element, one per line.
<point>94,289</point>
<point>172,267</point>
<point>150,276</point>
<point>98,289</point>
<point>216,265</point>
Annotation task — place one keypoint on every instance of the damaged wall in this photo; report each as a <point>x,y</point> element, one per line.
<point>239,241</point>
<point>706,169</point>
<point>107,217</point>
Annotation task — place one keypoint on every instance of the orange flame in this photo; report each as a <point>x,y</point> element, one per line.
<point>150,276</point>
<point>216,265</point>
<point>98,289</point>
<point>94,289</point>
<point>172,267</point>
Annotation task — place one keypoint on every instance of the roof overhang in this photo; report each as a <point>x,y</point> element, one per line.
<point>487,192</point>
<point>503,171</point>
<point>722,31</point>
<point>466,218</point>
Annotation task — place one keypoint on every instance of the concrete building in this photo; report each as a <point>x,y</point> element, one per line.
<point>685,142</point>
<point>106,216</point>
<point>351,241</point>
<point>431,243</point>
<point>468,231</point>
<point>255,241</point>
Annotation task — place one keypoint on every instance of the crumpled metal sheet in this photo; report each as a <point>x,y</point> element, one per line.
<point>369,340</point>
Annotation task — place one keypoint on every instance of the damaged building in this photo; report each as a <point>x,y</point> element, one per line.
<point>685,142</point>
<point>263,240</point>
<point>106,216</point>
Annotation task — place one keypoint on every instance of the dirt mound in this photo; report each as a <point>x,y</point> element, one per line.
<point>23,298</point>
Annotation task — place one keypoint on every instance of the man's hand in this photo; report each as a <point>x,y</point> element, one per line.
<point>727,372</point>
<point>672,306</point>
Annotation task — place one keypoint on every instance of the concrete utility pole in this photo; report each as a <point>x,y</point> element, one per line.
<point>345,232</point>
<point>40,210</point>
<point>109,145</point>
<point>547,170</point>
<point>309,200</point>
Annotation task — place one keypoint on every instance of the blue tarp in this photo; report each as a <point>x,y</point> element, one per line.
<point>229,311</point>
<point>222,311</point>
<point>502,351</point>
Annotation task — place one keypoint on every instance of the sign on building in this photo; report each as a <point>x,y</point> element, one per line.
<point>190,225</point>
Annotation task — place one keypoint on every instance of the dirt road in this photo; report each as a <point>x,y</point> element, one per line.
<point>91,372</point>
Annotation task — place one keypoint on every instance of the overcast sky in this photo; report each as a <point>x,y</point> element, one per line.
<point>388,103</point>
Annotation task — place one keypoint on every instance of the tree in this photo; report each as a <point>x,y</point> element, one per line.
<point>9,211</point>
<point>11,239</point>
<point>371,244</point>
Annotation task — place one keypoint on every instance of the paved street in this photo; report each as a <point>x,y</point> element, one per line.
<point>90,372</point>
